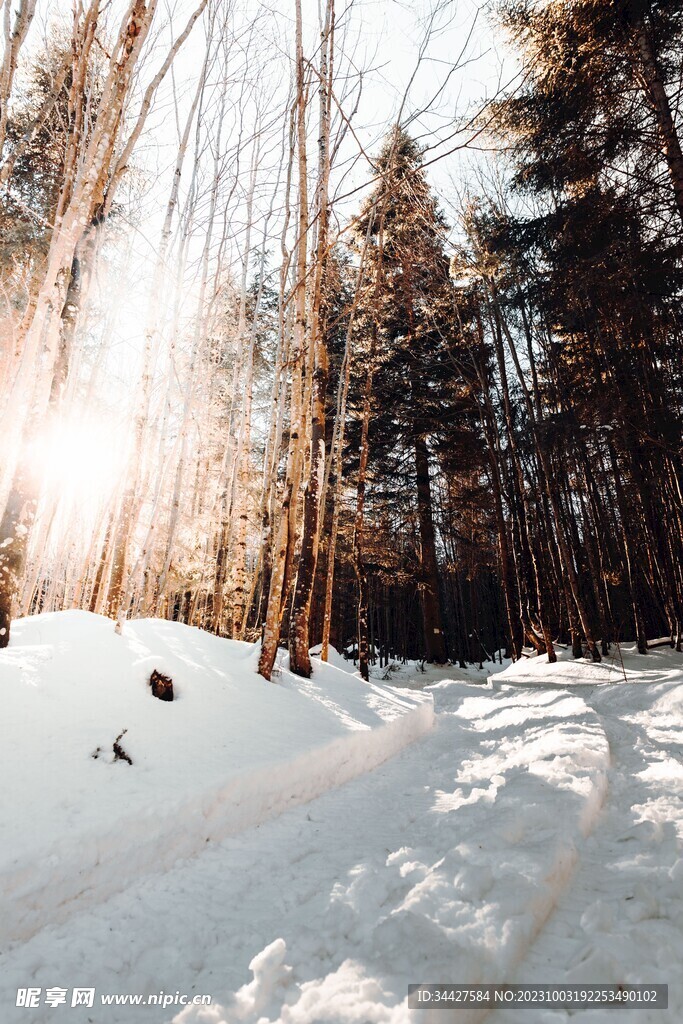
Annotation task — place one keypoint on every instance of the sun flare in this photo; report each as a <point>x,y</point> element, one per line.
<point>79,460</point>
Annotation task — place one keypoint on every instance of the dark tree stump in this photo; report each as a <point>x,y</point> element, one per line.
<point>162,686</point>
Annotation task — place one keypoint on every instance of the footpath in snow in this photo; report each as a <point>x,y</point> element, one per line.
<point>621,918</point>
<point>231,751</point>
<point>441,864</point>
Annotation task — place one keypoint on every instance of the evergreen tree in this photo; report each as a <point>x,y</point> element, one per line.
<point>407,314</point>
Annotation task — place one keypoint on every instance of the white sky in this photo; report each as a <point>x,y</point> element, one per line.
<point>382,37</point>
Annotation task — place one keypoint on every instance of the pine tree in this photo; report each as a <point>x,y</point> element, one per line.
<point>406,311</point>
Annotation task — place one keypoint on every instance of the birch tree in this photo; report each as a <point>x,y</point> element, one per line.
<point>87,176</point>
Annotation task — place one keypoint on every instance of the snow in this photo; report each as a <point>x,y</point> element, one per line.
<point>230,752</point>
<point>535,833</point>
<point>622,918</point>
<point>622,665</point>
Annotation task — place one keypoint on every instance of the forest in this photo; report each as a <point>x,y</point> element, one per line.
<point>293,364</point>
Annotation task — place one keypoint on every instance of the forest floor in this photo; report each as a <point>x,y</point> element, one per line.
<point>533,833</point>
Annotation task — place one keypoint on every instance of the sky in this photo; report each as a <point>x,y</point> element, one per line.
<point>463,65</point>
<point>434,61</point>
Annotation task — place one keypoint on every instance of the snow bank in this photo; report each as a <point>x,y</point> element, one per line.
<point>622,665</point>
<point>230,752</point>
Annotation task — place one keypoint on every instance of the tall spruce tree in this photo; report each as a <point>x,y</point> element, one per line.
<point>406,306</point>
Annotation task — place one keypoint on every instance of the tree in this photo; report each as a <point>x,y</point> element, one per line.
<point>406,308</point>
<point>86,188</point>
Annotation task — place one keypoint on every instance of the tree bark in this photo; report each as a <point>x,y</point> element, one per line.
<point>656,93</point>
<point>435,641</point>
<point>284,547</point>
<point>300,661</point>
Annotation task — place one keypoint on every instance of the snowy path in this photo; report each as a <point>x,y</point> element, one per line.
<point>444,864</point>
<point>621,919</point>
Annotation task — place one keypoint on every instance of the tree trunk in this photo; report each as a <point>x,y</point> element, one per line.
<point>300,661</point>
<point>284,547</point>
<point>656,93</point>
<point>435,641</point>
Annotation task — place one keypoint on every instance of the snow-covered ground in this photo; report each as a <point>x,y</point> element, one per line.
<point>621,918</point>
<point>535,833</point>
<point>229,752</point>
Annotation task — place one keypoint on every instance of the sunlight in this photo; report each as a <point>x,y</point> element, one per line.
<point>79,460</point>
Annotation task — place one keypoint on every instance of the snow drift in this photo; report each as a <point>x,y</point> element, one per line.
<point>230,752</point>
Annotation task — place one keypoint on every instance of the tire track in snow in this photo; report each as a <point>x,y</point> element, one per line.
<point>621,917</point>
